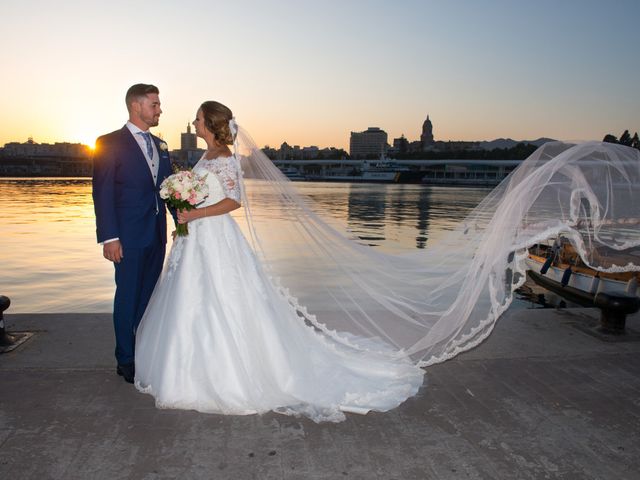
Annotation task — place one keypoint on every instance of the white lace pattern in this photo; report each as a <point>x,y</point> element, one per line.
<point>226,170</point>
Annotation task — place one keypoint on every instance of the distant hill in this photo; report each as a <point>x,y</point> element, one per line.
<point>510,143</point>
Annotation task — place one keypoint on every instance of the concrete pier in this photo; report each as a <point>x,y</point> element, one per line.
<point>540,399</point>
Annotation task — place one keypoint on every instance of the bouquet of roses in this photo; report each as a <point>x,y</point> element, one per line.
<point>184,190</point>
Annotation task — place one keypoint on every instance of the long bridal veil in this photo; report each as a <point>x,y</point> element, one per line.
<point>429,305</point>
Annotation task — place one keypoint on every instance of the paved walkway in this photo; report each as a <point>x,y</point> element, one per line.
<point>539,399</point>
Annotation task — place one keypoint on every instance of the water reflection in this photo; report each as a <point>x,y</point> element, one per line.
<point>366,214</point>
<point>394,217</point>
<point>424,202</point>
<point>51,262</point>
<point>535,296</point>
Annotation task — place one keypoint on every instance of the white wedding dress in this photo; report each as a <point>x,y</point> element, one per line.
<point>219,337</point>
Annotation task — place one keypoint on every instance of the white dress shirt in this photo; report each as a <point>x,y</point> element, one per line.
<point>155,159</point>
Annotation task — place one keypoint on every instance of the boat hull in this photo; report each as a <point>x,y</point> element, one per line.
<point>583,282</point>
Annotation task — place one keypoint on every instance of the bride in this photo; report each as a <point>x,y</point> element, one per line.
<point>220,336</point>
<point>235,327</point>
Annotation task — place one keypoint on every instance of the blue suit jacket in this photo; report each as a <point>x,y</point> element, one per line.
<point>124,194</point>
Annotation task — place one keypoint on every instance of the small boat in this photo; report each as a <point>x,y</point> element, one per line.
<point>558,267</point>
<point>564,265</point>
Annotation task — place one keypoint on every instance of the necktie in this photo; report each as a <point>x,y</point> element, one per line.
<point>154,171</point>
<point>147,140</point>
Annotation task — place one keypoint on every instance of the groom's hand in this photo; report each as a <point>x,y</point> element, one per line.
<point>113,251</point>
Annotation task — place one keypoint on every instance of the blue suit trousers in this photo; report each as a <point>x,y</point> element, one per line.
<point>136,276</point>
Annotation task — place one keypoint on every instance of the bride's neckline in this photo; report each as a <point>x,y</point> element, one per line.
<point>218,157</point>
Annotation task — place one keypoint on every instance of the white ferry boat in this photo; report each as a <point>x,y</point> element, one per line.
<point>370,172</point>
<point>292,174</point>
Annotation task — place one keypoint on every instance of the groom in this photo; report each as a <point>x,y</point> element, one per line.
<point>128,167</point>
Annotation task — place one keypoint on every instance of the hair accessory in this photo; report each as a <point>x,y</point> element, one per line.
<point>233,126</point>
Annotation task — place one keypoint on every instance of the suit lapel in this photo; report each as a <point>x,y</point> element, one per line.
<point>157,142</point>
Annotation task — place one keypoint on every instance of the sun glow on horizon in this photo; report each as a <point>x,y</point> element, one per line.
<point>89,143</point>
<point>85,138</point>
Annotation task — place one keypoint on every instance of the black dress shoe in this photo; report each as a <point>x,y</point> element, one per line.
<point>127,371</point>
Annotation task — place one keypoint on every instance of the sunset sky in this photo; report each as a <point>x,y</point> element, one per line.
<point>310,72</point>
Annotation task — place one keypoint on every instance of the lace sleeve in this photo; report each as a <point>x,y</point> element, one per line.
<point>230,178</point>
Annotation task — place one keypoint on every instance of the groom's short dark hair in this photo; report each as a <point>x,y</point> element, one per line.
<point>139,90</point>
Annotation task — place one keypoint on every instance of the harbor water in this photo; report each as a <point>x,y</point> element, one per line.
<point>52,263</point>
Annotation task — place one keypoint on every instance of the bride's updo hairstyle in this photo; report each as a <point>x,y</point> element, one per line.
<point>216,120</point>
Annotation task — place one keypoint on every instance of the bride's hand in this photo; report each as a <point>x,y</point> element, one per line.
<point>185,216</point>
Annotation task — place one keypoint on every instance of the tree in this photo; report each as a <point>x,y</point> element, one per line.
<point>625,139</point>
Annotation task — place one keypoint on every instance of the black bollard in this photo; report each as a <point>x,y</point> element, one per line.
<point>614,310</point>
<point>6,340</point>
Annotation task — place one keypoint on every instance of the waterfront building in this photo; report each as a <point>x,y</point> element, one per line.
<point>44,159</point>
<point>288,152</point>
<point>189,153</point>
<point>447,171</point>
<point>400,145</point>
<point>370,143</point>
<point>272,153</point>
<point>333,153</point>
<point>32,149</point>
<point>188,140</point>
<point>464,172</point>
<point>310,153</point>
<point>416,146</point>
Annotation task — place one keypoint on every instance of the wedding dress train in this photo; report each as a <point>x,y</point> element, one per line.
<point>219,337</point>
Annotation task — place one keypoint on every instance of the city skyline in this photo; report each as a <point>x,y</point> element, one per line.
<point>188,141</point>
<point>310,74</point>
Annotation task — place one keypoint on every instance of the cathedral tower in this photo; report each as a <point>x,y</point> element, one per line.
<point>427,134</point>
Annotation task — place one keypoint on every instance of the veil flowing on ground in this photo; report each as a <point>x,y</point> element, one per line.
<point>430,305</point>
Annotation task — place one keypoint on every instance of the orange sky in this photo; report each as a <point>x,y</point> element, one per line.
<point>312,76</point>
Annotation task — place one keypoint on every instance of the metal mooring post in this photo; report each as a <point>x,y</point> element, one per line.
<point>614,310</point>
<point>6,340</point>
